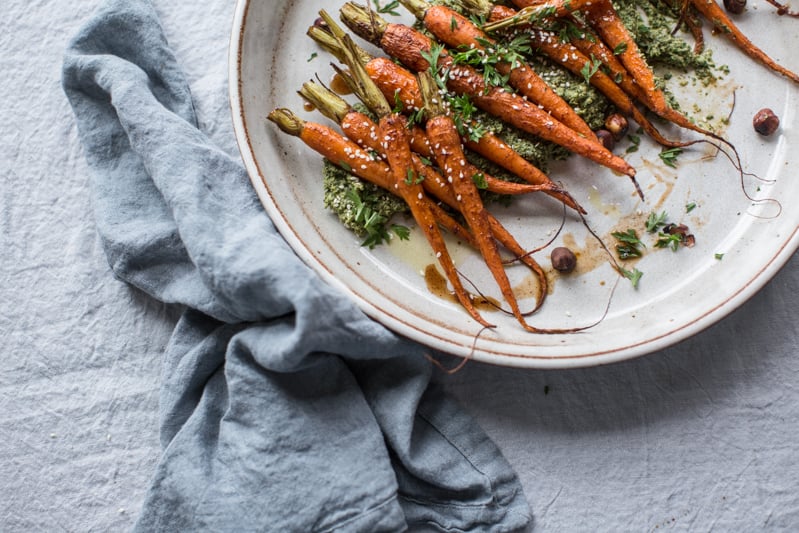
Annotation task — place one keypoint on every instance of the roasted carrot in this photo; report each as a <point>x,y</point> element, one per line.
<point>360,82</point>
<point>393,141</point>
<point>399,85</point>
<point>410,47</point>
<point>348,155</point>
<point>448,152</point>
<point>458,32</point>
<point>711,10</point>
<point>396,144</point>
<point>569,56</point>
<point>535,10</point>
<point>367,91</point>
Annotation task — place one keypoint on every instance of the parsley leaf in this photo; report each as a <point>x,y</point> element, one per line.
<point>669,240</point>
<point>590,68</point>
<point>630,246</point>
<point>401,231</point>
<point>479,180</point>
<point>389,8</point>
<point>654,221</point>
<point>633,275</point>
<point>669,157</point>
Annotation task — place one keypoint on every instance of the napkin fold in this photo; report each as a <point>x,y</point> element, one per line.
<point>283,407</point>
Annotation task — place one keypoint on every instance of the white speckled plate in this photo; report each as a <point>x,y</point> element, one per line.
<point>740,244</point>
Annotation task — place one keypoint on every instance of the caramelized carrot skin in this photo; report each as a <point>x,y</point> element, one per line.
<point>344,152</point>
<point>450,157</point>
<point>361,129</point>
<point>711,10</point>
<point>405,44</point>
<point>395,80</point>
<point>395,83</point>
<point>395,141</point>
<point>455,31</point>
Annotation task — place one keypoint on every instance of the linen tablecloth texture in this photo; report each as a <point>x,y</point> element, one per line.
<point>283,406</point>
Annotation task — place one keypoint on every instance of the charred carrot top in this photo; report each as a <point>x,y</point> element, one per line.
<point>460,33</point>
<point>410,47</point>
<point>711,10</point>
<point>396,144</point>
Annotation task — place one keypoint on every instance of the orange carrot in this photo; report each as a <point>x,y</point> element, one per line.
<point>348,155</point>
<point>396,144</point>
<point>533,10</point>
<point>410,47</point>
<point>573,59</point>
<point>711,10</point>
<point>361,129</point>
<point>400,86</point>
<point>456,31</point>
<point>394,80</point>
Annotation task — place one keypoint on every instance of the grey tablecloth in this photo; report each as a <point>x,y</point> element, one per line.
<point>702,436</point>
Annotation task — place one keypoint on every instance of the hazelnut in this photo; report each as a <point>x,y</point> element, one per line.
<point>606,138</point>
<point>736,7</point>
<point>617,125</point>
<point>563,259</point>
<point>765,122</point>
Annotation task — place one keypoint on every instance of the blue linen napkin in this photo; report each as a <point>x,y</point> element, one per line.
<point>283,407</point>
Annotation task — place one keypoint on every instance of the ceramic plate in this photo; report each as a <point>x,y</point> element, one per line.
<point>740,243</point>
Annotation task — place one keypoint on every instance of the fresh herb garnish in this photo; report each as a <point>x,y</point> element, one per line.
<point>312,57</point>
<point>635,143</point>
<point>372,221</point>
<point>590,68</point>
<point>690,207</point>
<point>633,275</point>
<point>490,54</point>
<point>462,111</point>
<point>669,157</point>
<point>479,180</point>
<point>718,257</point>
<point>669,240</point>
<point>389,9</point>
<point>432,57</point>
<point>629,246</point>
<point>620,49</point>
<point>402,232</point>
<point>413,178</point>
<point>398,107</point>
<point>655,221</point>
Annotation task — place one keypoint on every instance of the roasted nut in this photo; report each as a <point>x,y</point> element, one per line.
<point>765,122</point>
<point>736,7</point>
<point>563,259</point>
<point>617,125</point>
<point>606,138</point>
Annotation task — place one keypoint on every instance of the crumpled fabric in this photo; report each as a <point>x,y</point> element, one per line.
<point>283,407</point>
